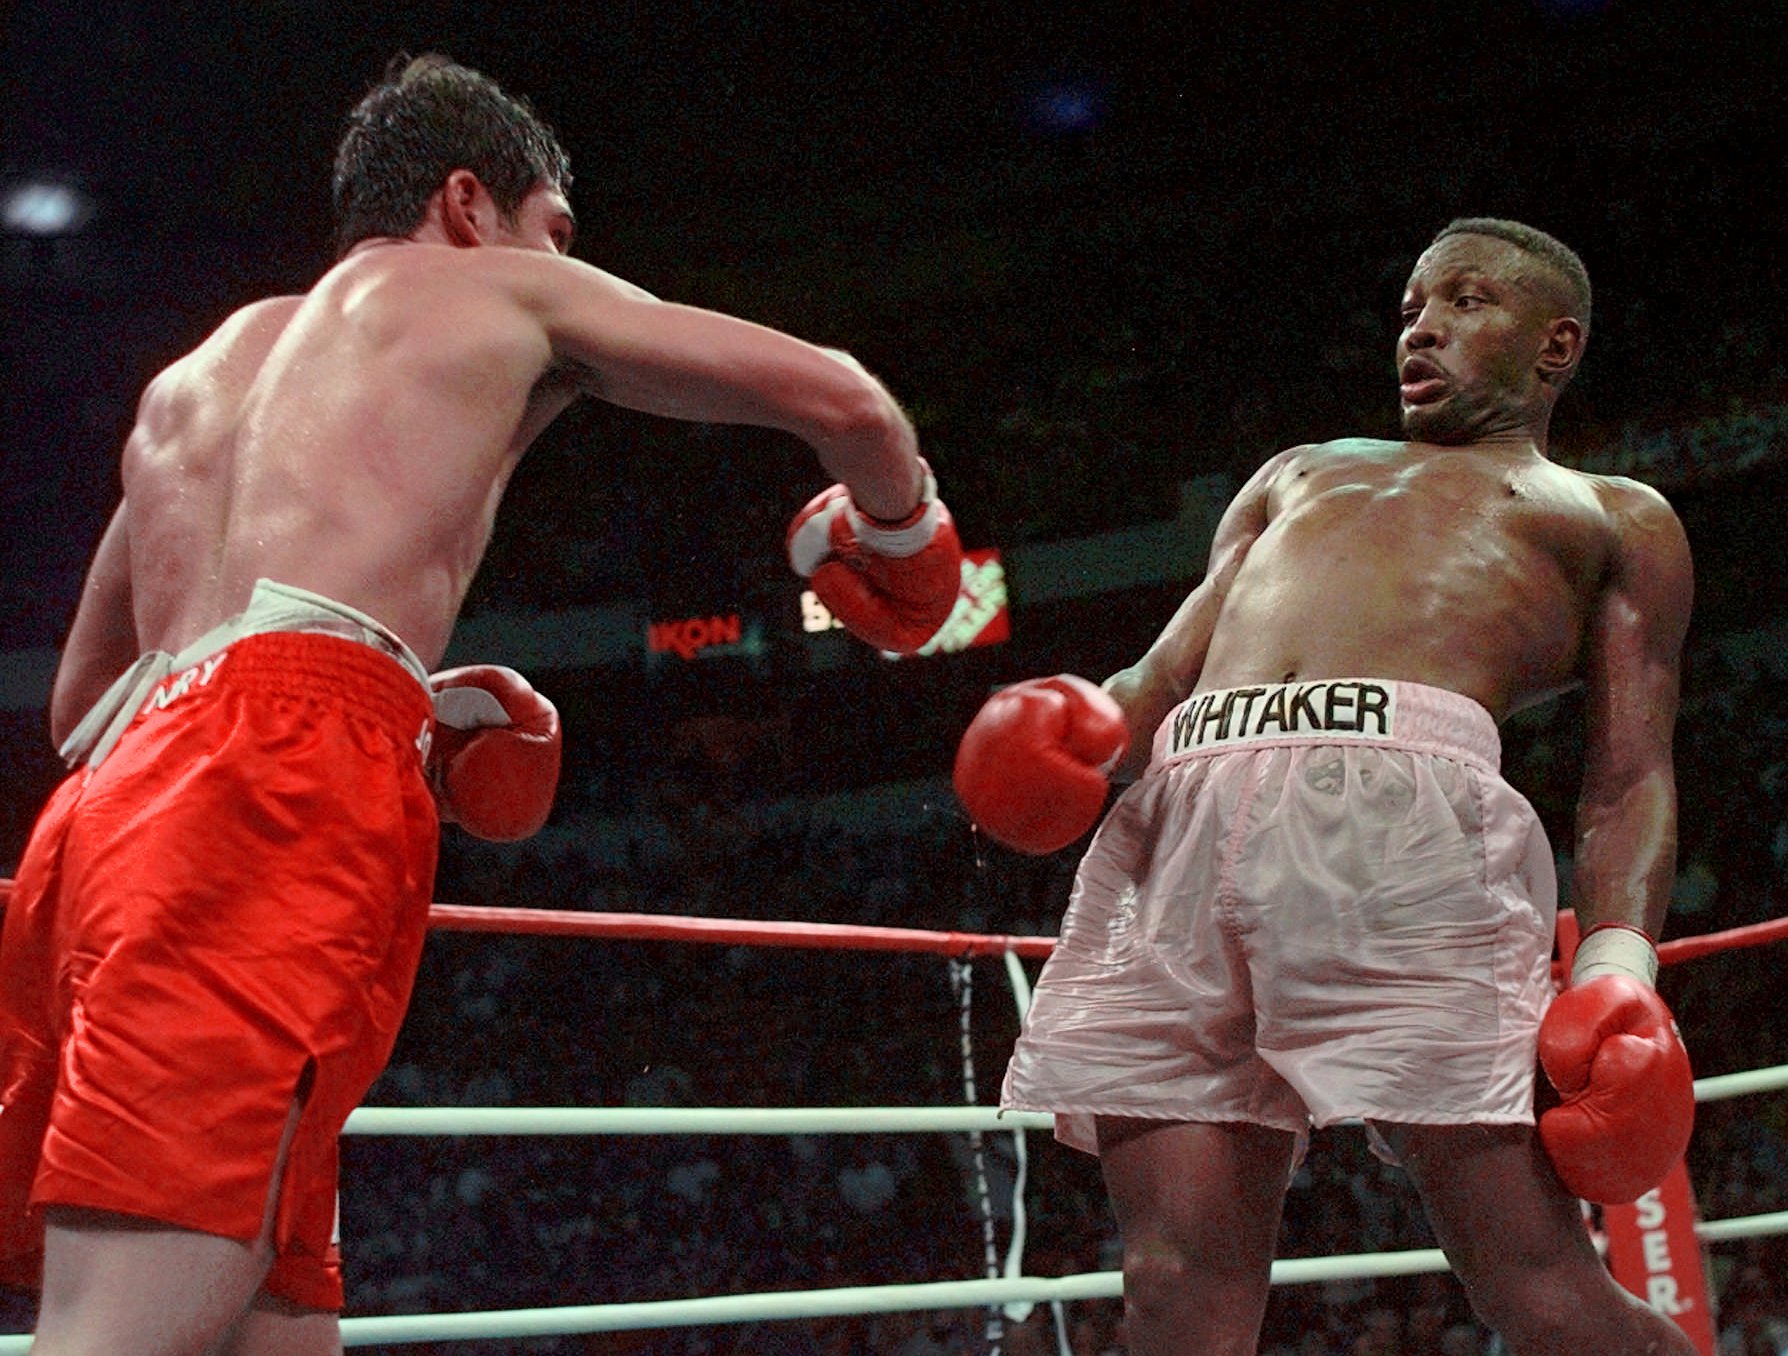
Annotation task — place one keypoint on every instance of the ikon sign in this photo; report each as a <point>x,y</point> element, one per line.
<point>704,637</point>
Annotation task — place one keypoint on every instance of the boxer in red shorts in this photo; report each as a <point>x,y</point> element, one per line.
<point>166,899</point>
<point>216,922</point>
<point>1319,900</point>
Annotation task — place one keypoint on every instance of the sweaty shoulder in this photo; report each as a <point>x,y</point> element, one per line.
<point>235,347</point>
<point>1293,463</point>
<point>522,302</point>
<point>1625,497</point>
<point>1652,559</point>
<point>530,277</point>
<point>443,320</point>
<point>1310,456</point>
<point>255,326</point>
<point>269,312</point>
<point>1642,517</point>
<point>1358,447</point>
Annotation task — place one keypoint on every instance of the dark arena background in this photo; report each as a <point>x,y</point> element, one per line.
<point>1110,258</point>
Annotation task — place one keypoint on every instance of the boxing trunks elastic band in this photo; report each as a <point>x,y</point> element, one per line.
<point>1366,711</point>
<point>271,607</point>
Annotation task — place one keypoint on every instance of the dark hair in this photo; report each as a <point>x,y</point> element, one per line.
<point>425,119</point>
<point>1560,259</point>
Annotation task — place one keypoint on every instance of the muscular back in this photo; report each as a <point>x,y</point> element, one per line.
<point>354,441</point>
<point>1474,568</point>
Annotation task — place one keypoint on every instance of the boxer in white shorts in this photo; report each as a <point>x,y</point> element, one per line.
<point>1320,902</point>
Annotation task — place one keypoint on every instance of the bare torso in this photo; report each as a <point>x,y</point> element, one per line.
<point>354,441</point>
<point>1470,568</point>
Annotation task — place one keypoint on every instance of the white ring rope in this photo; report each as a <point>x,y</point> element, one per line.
<point>872,1299</point>
<point>878,1299</point>
<point>838,1120</point>
<point>670,1120</point>
<point>1742,1226</point>
<point>1722,1086</point>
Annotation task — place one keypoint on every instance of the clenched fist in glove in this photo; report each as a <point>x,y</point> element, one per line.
<point>891,584</point>
<point>494,764</point>
<point>1611,1048</point>
<point>1033,765</point>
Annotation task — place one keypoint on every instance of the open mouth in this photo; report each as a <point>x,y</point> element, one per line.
<point>1421,382</point>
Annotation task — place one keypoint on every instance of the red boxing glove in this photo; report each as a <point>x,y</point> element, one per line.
<point>1034,764</point>
<point>494,763</point>
<point>891,584</point>
<point>1611,1048</point>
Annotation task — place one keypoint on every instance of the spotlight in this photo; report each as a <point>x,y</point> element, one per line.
<point>39,207</point>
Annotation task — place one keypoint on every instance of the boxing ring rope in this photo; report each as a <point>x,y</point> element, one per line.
<point>1007,1290</point>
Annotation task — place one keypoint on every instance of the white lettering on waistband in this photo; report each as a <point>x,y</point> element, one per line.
<point>1337,709</point>
<point>199,675</point>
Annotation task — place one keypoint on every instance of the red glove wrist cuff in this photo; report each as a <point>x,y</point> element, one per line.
<point>905,536</point>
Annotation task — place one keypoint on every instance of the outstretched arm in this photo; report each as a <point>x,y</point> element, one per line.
<point>1626,812</point>
<point>102,642</point>
<point>1166,674</point>
<point>684,362</point>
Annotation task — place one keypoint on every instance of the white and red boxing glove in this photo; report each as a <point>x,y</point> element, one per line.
<point>494,763</point>
<point>891,584</point>
<point>1035,763</point>
<point>1611,1048</point>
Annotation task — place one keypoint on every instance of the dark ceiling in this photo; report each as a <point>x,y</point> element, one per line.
<point>1095,252</point>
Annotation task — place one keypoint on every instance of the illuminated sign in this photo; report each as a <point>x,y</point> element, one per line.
<point>705,637</point>
<point>979,617</point>
<point>815,615</point>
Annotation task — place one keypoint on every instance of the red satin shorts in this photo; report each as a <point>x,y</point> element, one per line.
<point>223,917</point>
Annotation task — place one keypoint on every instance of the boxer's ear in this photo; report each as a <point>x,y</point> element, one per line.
<point>1561,349</point>
<point>468,212</point>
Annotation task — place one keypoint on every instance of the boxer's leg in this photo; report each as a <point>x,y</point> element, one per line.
<point>277,1327</point>
<point>1517,1240</point>
<point>114,1283</point>
<point>1198,1206</point>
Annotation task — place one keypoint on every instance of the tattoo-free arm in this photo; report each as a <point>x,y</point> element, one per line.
<point>1166,674</point>
<point>1626,811</point>
<point>102,642</point>
<point>684,362</point>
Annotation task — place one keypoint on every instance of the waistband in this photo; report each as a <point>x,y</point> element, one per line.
<point>274,609</point>
<point>312,666</point>
<point>1330,711</point>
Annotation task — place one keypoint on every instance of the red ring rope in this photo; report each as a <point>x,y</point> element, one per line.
<point>855,937</point>
<point>736,931</point>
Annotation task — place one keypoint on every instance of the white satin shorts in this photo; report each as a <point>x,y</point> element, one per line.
<point>1320,902</point>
